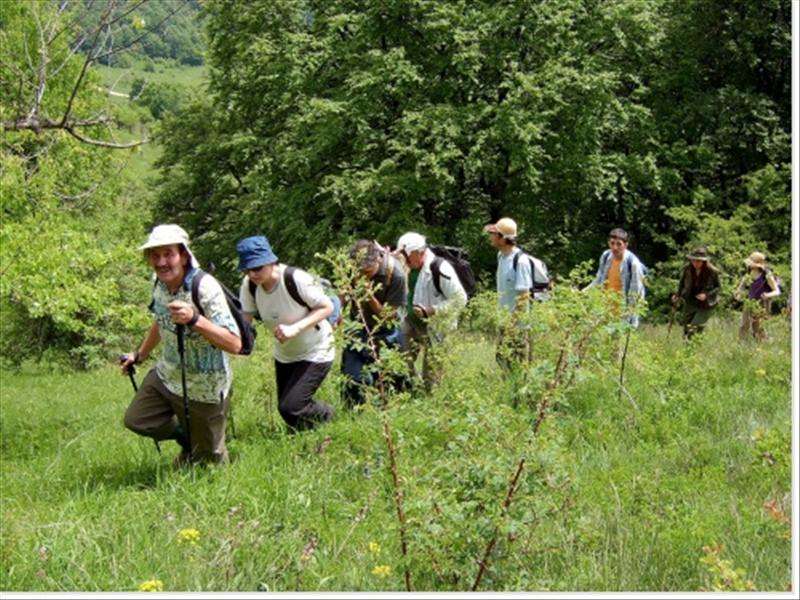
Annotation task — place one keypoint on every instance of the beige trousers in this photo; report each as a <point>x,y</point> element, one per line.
<point>155,412</point>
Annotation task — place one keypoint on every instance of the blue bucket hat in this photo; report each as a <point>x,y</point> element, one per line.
<point>255,251</point>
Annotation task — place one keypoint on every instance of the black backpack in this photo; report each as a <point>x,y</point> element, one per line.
<point>247,332</point>
<point>538,286</point>
<point>457,257</point>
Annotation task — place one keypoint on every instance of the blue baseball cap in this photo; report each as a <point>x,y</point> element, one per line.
<point>255,251</point>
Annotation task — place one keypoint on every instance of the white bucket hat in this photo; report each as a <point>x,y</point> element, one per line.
<point>166,235</point>
<point>411,242</point>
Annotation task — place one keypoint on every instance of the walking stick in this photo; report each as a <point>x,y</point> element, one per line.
<point>131,370</point>
<point>182,352</point>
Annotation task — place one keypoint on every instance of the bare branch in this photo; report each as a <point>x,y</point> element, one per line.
<point>38,125</point>
<point>86,64</point>
<point>103,143</point>
<point>125,13</point>
<point>138,39</point>
<point>41,71</point>
<point>69,55</point>
<point>69,24</point>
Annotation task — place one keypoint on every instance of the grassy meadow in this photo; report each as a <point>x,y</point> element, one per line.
<point>681,483</point>
<point>120,79</point>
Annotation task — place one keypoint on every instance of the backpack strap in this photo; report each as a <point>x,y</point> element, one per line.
<point>536,287</point>
<point>291,287</point>
<point>152,295</point>
<point>436,272</point>
<point>629,263</point>
<point>252,286</point>
<point>196,291</point>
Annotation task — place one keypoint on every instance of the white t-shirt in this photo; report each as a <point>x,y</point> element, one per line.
<point>276,307</point>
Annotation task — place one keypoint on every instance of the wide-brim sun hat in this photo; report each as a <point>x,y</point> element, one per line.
<point>505,227</point>
<point>699,253</point>
<point>168,235</point>
<point>756,259</point>
<point>255,251</point>
<point>411,242</point>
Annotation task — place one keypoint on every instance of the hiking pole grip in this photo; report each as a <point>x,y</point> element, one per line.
<point>179,331</point>
<point>130,370</point>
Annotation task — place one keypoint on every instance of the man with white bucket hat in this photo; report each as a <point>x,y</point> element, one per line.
<point>157,409</point>
<point>425,301</point>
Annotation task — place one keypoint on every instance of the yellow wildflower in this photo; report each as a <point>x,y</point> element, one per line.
<point>761,372</point>
<point>382,570</point>
<point>152,585</point>
<point>374,547</point>
<point>189,535</point>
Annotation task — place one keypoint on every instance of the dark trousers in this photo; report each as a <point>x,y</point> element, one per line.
<point>695,319</point>
<point>353,367</point>
<point>297,382</point>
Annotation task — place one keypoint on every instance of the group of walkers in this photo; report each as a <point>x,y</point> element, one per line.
<point>414,294</point>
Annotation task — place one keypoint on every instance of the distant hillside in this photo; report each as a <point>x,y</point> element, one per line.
<point>179,38</point>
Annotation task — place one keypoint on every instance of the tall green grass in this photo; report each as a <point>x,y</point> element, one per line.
<point>616,495</point>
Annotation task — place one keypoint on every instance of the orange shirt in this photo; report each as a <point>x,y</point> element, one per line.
<point>614,281</point>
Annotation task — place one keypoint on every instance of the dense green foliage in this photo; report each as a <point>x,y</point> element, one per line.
<point>668,489</point>
<point>172,30</point>
<point>160,99</point>
<point>329,120</point>
<point>72,282</point>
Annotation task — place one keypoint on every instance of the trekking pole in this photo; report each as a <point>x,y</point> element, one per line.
<point>182,352</point>
<point>131,370</point>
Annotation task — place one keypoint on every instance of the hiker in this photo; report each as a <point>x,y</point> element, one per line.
<point>621,271</point>
<point>429,296</point>
<point>761,287</point>
<point>698,290</point>
<point>157,410</point>
<point>387,294</point>
<point>516,273</point>
<point>294,307</point>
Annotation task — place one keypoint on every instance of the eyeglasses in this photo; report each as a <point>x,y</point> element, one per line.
<point>255,269</point>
